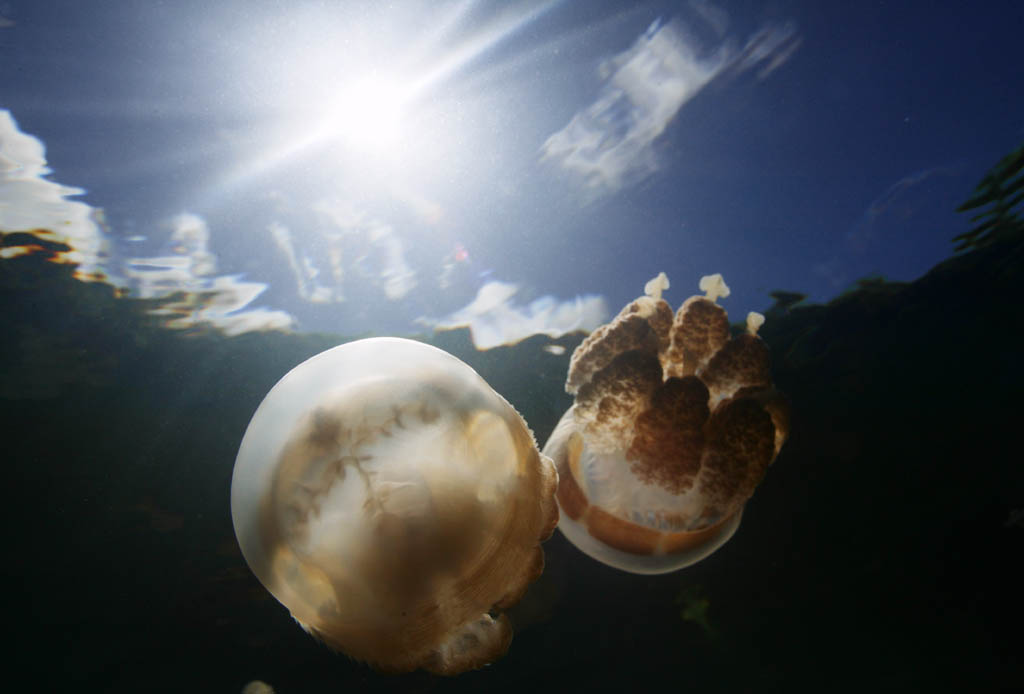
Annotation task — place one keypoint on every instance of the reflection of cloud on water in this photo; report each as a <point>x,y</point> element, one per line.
<point>609,143</point>
<point>303,269</point>
<point>222,305</point>
<point>494,318</point>
<point>399,278</point>
<point>359,248</point>
<point>30,203</point>
<point>200,297</point>
<point>184,269</point>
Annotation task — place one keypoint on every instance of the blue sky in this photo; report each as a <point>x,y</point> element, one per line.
<point>367,166</point>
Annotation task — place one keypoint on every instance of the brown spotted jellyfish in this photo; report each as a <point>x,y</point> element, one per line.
<point>395,504</point>
<point>673,426</point>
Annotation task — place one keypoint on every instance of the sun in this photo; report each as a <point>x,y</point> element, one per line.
<point>381,91</point>
<point>367,114</point>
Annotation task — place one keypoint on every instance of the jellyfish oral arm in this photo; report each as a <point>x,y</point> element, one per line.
<point>674,424</point>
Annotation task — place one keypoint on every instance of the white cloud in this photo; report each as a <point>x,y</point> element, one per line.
<point>609,144</point>
<point>494,318</point>
<point>29,202</point>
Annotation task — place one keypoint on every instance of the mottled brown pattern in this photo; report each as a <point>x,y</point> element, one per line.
<point>775,404</point>
<point>630,330</point>
<point>661,323</point>
<point>669,436</point>
<point>740,446</point>
<point>700,328</point>
<point>742,362</point>
<point>607,406</point>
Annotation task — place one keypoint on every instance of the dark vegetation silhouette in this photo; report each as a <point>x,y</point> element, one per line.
<point>999,196</point>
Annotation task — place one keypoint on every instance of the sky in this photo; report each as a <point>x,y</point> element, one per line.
<point>520,167</point>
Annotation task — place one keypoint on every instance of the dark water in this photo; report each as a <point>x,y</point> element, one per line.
<point>880,553</point>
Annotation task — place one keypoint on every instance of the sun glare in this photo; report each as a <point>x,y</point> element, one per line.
<point>363,88</point>
<point>367,114</point>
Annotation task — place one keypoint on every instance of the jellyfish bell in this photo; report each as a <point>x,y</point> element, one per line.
<point>395,504</point>
<point>674,424</point>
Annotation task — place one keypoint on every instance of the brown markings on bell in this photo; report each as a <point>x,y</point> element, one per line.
<point>622,534</point>
<point>570,497</point>
<point>678,542</point>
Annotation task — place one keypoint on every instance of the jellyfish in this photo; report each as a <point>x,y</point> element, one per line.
<point>395,504</point>
<point>674,424</point>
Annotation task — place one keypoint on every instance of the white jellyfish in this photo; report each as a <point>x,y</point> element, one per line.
<point>395,504</point>
<point>673,426</point>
